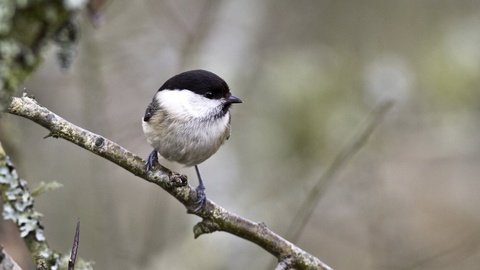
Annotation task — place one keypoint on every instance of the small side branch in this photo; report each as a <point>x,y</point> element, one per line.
<point>284,264</point>
<point>211,213</point>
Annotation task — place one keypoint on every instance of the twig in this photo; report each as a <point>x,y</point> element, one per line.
<point>284,264</point>
<point>215,217</point>
<point>73,257</point>
<point>303,215</point>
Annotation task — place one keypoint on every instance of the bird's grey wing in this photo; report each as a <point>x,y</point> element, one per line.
<point>151,109</point>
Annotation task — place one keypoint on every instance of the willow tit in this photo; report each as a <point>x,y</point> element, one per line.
<point>188,120</point>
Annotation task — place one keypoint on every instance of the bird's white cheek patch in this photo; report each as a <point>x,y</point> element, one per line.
<point>186,104</point>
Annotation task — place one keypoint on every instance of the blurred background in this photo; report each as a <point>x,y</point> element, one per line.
<point>310,73</point>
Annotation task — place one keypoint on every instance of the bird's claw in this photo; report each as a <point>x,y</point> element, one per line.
<point>201,199</point>
<point>152,160</point>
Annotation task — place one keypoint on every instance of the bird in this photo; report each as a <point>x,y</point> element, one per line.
<point>188,120</point>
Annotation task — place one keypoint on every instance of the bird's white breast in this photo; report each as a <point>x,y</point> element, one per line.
<point>187,132</point>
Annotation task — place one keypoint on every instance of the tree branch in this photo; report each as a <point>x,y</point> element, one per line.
<point>215,217</point>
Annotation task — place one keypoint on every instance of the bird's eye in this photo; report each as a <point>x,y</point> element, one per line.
<point>209,95</point>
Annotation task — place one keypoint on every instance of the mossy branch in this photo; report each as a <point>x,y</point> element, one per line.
<point>18,206</point>
<point>25,28</point>
<point>215,217</point>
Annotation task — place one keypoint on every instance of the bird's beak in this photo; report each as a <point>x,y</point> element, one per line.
<point>234,99</point>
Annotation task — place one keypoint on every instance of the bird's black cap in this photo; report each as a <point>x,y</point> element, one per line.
<point>199,81</point>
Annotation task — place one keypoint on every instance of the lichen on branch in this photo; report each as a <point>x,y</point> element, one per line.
<point>18,207</point>
<point>25,28</point>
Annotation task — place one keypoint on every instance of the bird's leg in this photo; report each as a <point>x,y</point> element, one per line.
<point>201,195</point>
<point>152,160</point>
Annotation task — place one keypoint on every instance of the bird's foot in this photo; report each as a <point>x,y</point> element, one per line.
<point>152,160</point>
<point>201,198</point>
